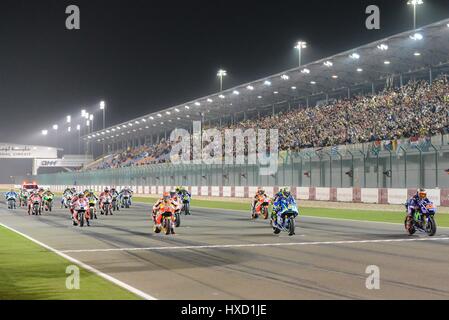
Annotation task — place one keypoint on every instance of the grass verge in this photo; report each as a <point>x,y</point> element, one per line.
<point>30,272</point>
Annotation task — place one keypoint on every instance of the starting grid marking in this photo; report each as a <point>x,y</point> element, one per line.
<point>255,245</point>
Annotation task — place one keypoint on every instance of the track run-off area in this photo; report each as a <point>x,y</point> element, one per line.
<point>223,254</point>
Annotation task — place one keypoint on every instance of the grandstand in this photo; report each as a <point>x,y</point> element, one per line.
<point>345,121</point>
<point>388,63</point>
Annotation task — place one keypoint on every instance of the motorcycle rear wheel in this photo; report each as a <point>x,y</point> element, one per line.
<point>411,229</point>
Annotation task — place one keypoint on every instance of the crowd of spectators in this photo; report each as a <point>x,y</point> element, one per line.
<point>416,109</point>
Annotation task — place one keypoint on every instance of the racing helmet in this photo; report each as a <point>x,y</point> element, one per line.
<point>81,195</point>
<point>286,192</point>
<point>178,188</point>
<point>422,193</point>
<point>260,191</point>
<point>166,195</point>
<point>106,190</point>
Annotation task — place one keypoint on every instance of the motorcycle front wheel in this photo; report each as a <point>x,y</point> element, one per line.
<point>431,226</point>
<point>291,226</point>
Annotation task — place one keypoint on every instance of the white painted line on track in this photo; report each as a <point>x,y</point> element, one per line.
<point>255,245</point>
<point>85,266</point>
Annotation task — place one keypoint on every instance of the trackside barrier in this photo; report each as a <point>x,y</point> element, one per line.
<point>358,195</point>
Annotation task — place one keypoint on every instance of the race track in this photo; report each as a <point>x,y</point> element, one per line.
<point>220,254</point>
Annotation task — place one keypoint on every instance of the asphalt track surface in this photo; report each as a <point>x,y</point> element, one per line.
<point>218,254</point>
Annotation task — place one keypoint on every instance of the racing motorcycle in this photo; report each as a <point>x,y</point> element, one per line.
<point>286,214</point>
<point>23,199</point>
<point>82,214</point>
<point>107,206</point>
<point>126,200</point>
<point>115,205</point>
<point>261,207</point>
<point>93,206</point>
<point>185,200</point>
<point>48,202</point>
<point>11,203</point>
<point>36,208</point>
<point>422,218</point>
<point>167,223</point>
<point>66,201</point>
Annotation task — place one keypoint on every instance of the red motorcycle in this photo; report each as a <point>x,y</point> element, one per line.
<point>164,219</point>
<point>261,207</point>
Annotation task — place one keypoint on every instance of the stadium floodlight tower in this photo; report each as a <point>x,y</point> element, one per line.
<point>220,74</point>
<point>414,3</point>
<point>103,108</point>
<point>300,45</point>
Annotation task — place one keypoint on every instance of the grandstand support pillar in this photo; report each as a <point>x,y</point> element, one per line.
<point>310,170</point>
<point>330,170</point>
<point>421,171</point>
<point>401,80</point>
<point>436,164</point>
<point>352,168</point>
<point>372,88</point>
<point>364,168</point>
<point>341,168</point>
<point>405,165</point>
<point>307,102</point>
<point>349,93</point>
<point>272,109</point>
<point>327,98</point>
<point>430,76</point>
<point>377,168</point>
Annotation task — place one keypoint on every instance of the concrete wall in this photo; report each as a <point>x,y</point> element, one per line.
<point>360,195</point>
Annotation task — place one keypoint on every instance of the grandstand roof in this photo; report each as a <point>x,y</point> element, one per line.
<point>406,53</point>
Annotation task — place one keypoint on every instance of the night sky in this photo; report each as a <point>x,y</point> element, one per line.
<point>143,56</point>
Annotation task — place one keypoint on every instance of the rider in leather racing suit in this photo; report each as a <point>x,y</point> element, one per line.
<point>416,201</point>
<point>106,193</point>
<point>283,195</point>
<point>126,191</point>
<point>260,192</point>
<point>11,195</point>
<point>165,200</point>
<point>34,196</point>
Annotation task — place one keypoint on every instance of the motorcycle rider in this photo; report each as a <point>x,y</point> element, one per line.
<point>416,201</point>
<point>80,201</point>
<point>115,195</point>
<point>126,191</point>
<point>166,200</point>
<point>104,195</point>
<point>182,193</point>
<point>90,195</point>
<point>284,194</point>
<point>68,192</point>
<point>24,194</point>
<point>35,196</point>
<point>259,193</point>
<point>47,193</point>
<point>11,195</point>
<point>176,199</point>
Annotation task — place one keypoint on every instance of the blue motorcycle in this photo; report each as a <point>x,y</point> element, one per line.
<point>185,200</point>
<point>284,218</point>
<point>422,219</point>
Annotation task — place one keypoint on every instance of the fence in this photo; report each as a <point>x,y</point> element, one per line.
<point>397,164</point>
